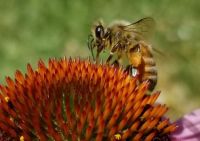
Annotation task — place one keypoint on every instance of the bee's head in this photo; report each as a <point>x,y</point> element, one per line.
<point>97,38</point>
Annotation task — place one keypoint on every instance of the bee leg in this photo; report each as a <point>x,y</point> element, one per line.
<point>135,55</point>
<point>113,50</point>
<point>97,57</point>
<point>127,68</point>
<point>109,58</point>
<point>90,42</point>
<point>116,63</point>
<point>99,49</point>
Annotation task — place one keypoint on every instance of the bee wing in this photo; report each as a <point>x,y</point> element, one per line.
<point>143,28</point>
<point>159,52</point>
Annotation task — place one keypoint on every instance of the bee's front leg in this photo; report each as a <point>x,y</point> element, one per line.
<point>99,49</point>
<point>97,57</point>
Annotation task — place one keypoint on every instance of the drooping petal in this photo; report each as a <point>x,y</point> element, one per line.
<point>189,127</point>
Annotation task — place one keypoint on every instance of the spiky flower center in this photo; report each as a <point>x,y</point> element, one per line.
<point>78,100</point>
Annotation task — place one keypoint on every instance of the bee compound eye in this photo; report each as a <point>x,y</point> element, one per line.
<point>99,31</point>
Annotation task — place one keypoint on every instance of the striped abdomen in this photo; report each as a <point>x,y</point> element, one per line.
<point>147,69</point>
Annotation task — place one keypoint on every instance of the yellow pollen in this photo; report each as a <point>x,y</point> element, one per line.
<point>21,138</point>
<point>6,98</point>
<point>118,136</point>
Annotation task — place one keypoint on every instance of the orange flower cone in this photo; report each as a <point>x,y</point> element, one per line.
<point>79,101</point>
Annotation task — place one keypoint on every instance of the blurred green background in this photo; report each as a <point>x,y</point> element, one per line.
<point>38,29</point>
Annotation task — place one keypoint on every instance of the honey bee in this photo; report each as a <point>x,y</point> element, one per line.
<point>127,41</point>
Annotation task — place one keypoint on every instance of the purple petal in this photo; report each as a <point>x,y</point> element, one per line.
<point>189,128</point>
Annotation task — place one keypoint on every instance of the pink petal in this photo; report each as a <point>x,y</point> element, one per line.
<point>189,128</point>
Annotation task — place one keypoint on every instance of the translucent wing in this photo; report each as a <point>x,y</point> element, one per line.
<point>143,27</point>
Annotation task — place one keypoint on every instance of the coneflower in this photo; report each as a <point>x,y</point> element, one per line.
<point>78,100</point>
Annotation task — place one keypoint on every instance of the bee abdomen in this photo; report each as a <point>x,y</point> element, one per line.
<point>149,61</point>
<point>150,72</point>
